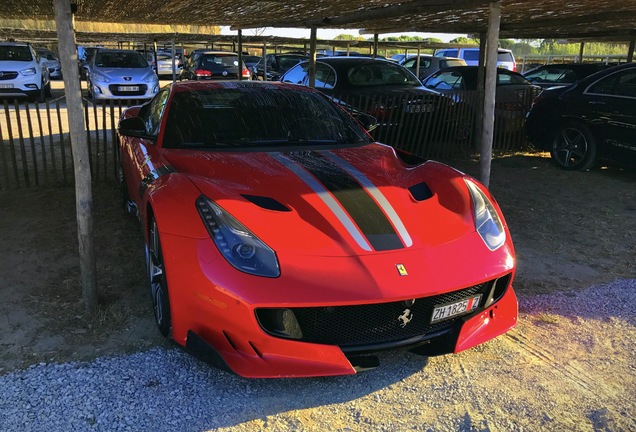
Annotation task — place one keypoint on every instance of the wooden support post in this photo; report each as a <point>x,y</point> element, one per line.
<point>264,61</point>
<point>174,63</point>
<point>375,45</point>
<point>313,36</point>
<point>630,52</point>
<point>581,52</point>
<point>417,62</point>
<point>83,189</point>
<point>240,54</point>
<point>154,56</point>
<point>485,158</point>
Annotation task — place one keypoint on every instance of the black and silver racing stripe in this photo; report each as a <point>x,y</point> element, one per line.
<point>348,194</point>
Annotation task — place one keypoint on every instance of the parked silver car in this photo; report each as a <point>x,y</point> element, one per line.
<point>430,64</point>
<point>23,72</point>
<point>52,62</point>
<point>121,74</point>
<point>164,64</point>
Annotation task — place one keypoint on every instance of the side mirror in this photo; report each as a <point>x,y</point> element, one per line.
<point>133,127</point>
<point>367,121</point>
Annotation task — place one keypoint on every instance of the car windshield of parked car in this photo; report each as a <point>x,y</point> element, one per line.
<point>15,53</point>
<point>380,73</point>
<point>286,62</point>
<point>119,59</point>
<point>511,79</point>
<point>49,55</point>
<point>248,118</point>
<point>447,80</point>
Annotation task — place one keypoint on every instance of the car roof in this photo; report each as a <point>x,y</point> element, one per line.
<point>185,86</point>
<point>217,52</point>
<point>14,44</point>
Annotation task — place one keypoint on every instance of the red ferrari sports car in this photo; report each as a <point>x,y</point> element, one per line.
<point>282,241</point>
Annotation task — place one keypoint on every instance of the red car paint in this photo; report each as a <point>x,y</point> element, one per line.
<point>322,265</point>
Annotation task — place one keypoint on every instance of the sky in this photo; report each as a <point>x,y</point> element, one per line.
<point>332,33</point>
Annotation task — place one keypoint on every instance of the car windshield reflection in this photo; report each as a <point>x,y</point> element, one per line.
<point>240,117</point>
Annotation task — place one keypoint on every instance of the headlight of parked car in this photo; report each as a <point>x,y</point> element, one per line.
<point>487,220</point>
<point>29,71</point>
<point>242,249</point>
<point>151,78</point>
<point>97,77</point>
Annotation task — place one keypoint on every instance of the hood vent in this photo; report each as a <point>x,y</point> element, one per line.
<point>266,203</point>
<point>420,191</point>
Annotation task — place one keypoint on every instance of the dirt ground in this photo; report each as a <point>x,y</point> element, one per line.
<point>570,229</point>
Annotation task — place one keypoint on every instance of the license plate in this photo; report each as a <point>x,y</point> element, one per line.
<point>128,88</point>
<point>6,85</point>
<point>419,108</point>
<point>446,311</point>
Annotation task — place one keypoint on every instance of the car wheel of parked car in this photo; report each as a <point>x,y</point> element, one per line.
<point>41,96</point>
<point>157,279</point>
<point>574,147</point>
<point>464,124</point>
<point>47,90</point>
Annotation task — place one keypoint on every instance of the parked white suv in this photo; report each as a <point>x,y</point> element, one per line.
<point>23,72</point>
<point>505,58</point>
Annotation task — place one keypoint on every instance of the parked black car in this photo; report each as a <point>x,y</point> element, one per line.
<point>561,75</point>
<point>591,120</point>
<point>363,80</point>
<point>277,64</point>
<point>211,65</point>
<point>513,97</point>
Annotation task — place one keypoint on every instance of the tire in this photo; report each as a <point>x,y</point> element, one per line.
<point>42,94</point>
<point>157,280</point>
<point>574,147</point>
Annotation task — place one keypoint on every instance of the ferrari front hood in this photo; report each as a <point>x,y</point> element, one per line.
<point>342,202</point>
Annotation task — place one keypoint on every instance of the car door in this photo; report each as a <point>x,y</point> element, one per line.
<point>144,157</point>
<point>611,105</point>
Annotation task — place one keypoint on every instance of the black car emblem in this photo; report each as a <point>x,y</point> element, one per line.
<point>1,74</point>
<point>127,78</point>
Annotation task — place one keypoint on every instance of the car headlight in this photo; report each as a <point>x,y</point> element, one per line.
<point>28,72</point>
<point>151,78</point>
<point>100,78</point>
<point>487,220</point>
<point>242,249</point>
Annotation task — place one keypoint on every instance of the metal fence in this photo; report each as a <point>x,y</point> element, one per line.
<point>35,145</point>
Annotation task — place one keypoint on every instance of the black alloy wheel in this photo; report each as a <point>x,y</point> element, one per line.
<point>574,147</point>
<point>157,279</point>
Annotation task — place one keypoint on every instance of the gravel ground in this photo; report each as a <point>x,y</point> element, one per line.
<point>536,377</point>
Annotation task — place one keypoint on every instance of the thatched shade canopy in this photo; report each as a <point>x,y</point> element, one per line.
<point>519,18</point>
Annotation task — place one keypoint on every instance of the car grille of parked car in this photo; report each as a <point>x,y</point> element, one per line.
<point>115,89</point>
<point>371,324</point>
<point>8,75</point>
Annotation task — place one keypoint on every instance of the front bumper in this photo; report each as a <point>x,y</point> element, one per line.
<point>20,85</point>
<point>228,322</point>
<point>103,91</point>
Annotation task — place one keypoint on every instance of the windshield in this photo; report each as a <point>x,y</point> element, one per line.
<point>15,53</point>
<point>380,73</point>
<point>250,117</point>
<point>120,59</point>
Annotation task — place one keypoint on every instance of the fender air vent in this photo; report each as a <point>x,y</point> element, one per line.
<point>266,203</point>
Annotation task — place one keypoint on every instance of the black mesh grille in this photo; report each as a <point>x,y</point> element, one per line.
<point>8,75</point>
<point>349,326</point>
<point>114,89</point>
